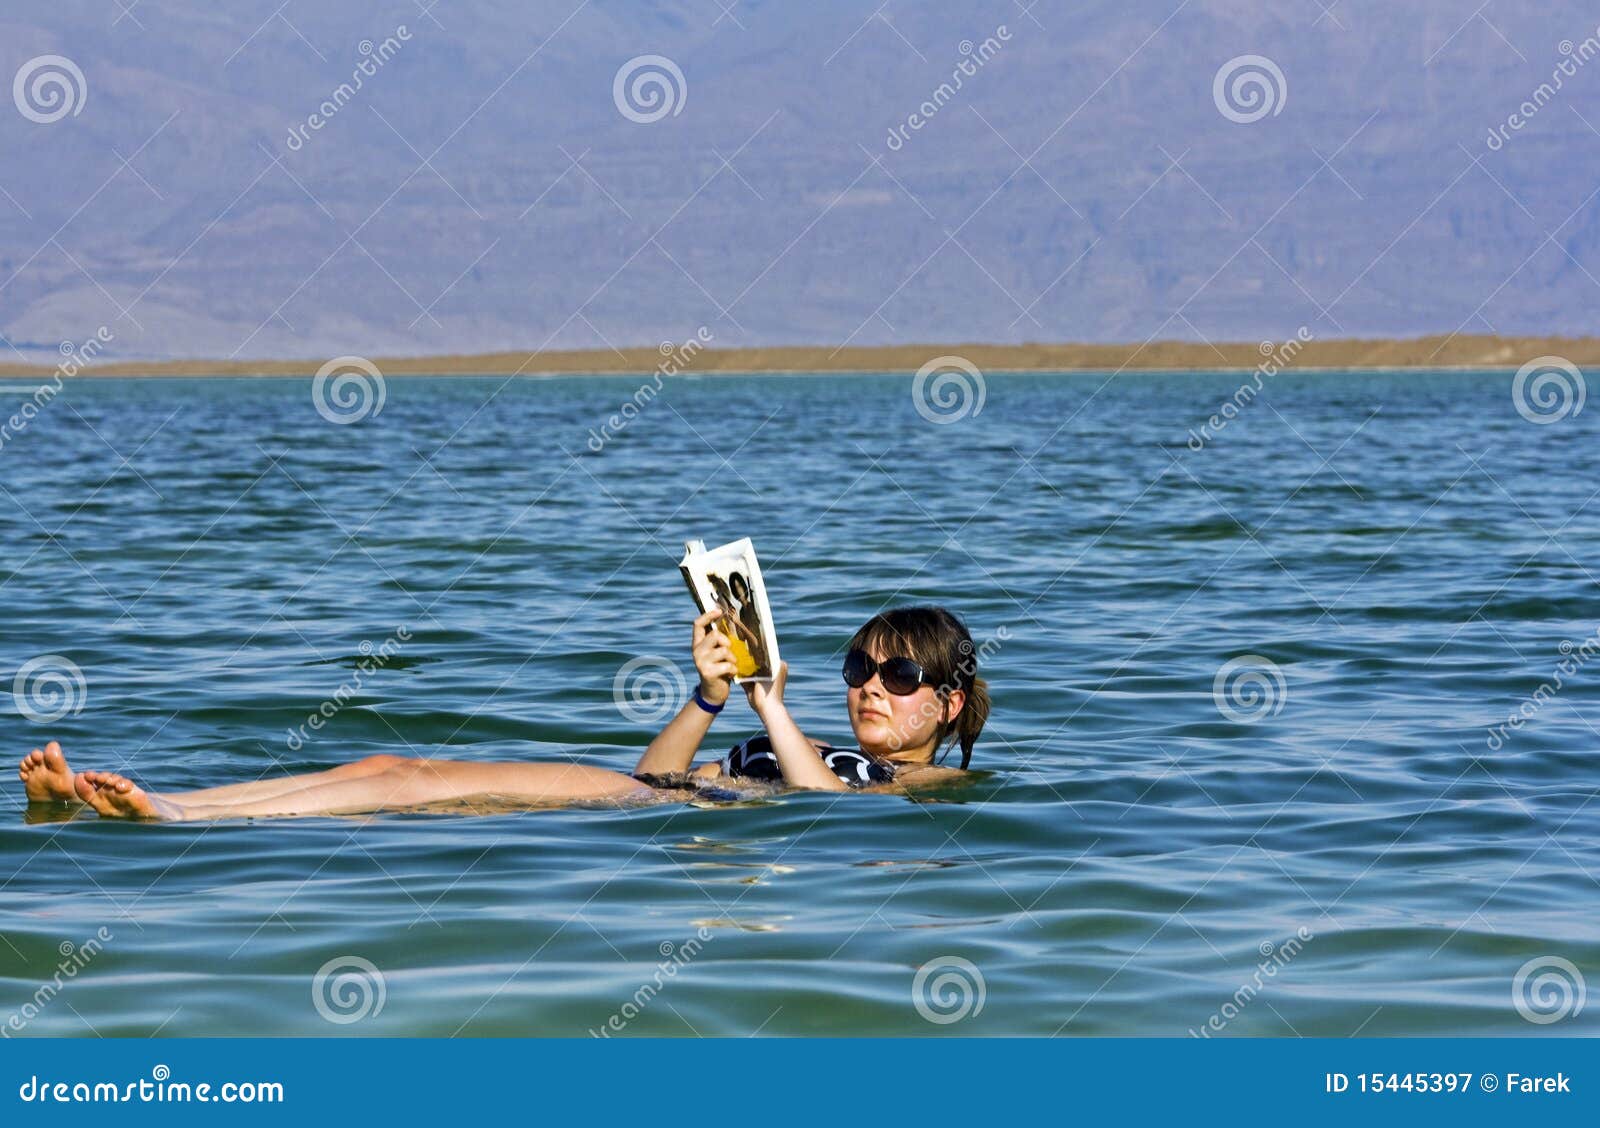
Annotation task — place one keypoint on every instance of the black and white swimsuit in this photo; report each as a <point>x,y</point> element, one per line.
<point>754,758</point>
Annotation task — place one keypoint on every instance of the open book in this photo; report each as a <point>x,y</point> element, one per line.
<point>729,577</point>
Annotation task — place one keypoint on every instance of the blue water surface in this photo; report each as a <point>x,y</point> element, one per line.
<point>1250,771</point>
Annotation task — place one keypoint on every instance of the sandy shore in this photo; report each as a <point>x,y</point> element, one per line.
<point>1420,352</point>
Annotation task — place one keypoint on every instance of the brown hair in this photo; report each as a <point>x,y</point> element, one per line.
<point>939,642</point>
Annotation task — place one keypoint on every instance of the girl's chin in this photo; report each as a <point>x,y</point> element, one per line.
<point>878,739</point>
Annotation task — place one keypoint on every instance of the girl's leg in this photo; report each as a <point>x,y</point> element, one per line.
<point>46,776</point>
<point>409,783</point>
<point>282,785</point>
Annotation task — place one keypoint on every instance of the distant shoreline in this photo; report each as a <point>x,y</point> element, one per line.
<point>1441,352</point>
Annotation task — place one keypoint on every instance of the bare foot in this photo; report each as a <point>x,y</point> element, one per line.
<point>45,775</point>
<point>118,797</point>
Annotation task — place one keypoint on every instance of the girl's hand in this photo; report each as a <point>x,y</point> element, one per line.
<point>763,695</point>
<point>713,658</point>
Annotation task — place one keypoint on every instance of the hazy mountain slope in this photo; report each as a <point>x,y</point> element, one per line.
<point>218,238</point>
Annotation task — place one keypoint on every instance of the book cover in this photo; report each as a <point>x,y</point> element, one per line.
<point>729,577</point>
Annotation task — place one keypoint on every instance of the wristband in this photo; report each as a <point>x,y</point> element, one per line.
<point>706,705</point>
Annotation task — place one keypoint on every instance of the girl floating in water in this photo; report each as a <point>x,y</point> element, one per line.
<point>914,691</point>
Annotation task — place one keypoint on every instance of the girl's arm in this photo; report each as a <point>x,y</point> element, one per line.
<point>674,747</point>
<point>798,759</point>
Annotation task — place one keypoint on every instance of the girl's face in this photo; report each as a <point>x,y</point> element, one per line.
<point>896,726</point>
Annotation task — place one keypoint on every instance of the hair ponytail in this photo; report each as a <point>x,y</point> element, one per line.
<point>970,721</point>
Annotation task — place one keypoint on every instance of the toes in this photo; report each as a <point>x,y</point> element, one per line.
<point>52,757</point>
<point>84,787</point>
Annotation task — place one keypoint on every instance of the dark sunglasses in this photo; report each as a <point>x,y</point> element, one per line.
<point>900,676</point>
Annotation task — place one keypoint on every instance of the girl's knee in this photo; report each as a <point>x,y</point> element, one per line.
<point>383,761</point>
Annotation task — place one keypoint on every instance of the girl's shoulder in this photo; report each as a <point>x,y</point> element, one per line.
<point>925,775</point>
